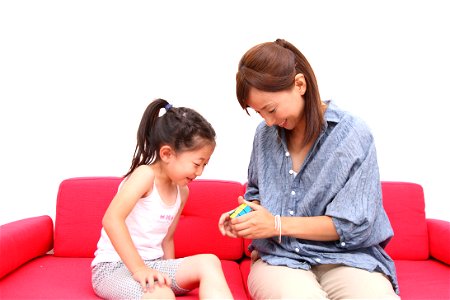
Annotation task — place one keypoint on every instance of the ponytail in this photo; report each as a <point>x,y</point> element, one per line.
<point>179,127</point>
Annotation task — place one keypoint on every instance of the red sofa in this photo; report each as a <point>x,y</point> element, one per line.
<point>42,261</point>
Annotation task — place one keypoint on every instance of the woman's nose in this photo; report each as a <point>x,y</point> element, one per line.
<point>269,120</point>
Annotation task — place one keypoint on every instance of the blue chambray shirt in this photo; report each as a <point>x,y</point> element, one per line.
<point>339,178</point>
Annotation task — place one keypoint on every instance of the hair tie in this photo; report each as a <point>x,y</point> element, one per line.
<point>168,106</point>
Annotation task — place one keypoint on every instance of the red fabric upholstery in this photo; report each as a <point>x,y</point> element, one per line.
<point>50,277</point>
<point>426,279</point>
<point>405,206</point>
<point>25,273</point>
<point>80,207</point>
<point>439,236</point>
<point>36,233</point>
<point>197,231</point>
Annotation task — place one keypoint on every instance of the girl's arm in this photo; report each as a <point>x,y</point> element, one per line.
<point>139,183</point>
<point>167,244</point>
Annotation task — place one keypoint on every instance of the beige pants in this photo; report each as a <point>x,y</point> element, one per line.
<point>321,282</point>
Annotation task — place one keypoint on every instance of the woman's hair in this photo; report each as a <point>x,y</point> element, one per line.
<point>272,67</point>
<point>181,128</point>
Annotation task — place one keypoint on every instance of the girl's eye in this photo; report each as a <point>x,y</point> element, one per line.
<point>198,165</point>
<point>272,111</point>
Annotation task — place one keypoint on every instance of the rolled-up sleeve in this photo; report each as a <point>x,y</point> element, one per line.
<point>357,207</point>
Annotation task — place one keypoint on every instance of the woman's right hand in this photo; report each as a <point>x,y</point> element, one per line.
<point>148,277</point>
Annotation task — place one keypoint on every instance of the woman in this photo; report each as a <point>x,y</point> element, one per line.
<point>318,224</point>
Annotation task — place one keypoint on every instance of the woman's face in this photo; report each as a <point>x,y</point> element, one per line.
<point>283,108</point>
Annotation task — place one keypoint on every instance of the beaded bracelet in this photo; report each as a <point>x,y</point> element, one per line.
<point>278,226</point>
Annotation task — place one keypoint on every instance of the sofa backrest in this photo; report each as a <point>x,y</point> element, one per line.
<point>80,207</point>
<point>82,202</point>
<point>405,205</point>
<point>198,231</point>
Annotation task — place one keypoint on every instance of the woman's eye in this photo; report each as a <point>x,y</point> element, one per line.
<point>198,165</point>
<point>272,111</point>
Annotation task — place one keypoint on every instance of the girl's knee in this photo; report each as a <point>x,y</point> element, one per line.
<point>209,262</point>
<point>164,292</point>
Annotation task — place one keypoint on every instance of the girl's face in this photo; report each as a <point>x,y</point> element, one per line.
<point>183,167</point>
<point>283,108</point>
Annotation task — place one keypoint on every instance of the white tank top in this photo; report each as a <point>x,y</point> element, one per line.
<point>147,223</point>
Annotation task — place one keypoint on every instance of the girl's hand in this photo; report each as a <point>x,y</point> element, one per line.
<point>148,278</point>
<point>225,225</point>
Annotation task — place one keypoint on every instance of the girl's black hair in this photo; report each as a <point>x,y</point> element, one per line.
<point>181,128</point>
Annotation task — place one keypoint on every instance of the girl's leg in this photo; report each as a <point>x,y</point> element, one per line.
<point>164,292</point>
<point>203,271</point>
<point>343,282</point>
<point>114,281</point>
<point>280,282</point>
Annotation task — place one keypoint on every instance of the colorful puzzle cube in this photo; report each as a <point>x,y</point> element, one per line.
<point>240,210</point>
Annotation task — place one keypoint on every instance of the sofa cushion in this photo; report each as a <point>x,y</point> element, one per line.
<point>80,207</point>
<point>198,231</point>
<point>50,277</point>
<point>427,279</point>
<point>405,206</point>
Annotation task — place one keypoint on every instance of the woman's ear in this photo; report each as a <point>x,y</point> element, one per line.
<point>166,153</point>
<point>300,83</point>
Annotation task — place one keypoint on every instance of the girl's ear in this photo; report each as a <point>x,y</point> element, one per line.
<point>166,153</point>
<point>300,83</point>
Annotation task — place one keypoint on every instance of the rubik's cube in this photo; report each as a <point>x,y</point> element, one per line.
<point>240,210</point>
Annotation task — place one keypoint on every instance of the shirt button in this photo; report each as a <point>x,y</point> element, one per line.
<point>291,212</point>
<point>291,172</point>
<point>297,250</point>
<point>317,259</point>
<point>343,244</point>
<point>287,153</point>
<point>293,193</point>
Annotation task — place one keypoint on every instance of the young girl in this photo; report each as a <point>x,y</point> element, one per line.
<point>135,255</point>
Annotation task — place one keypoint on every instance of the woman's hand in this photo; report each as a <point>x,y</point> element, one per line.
<point>257,224</point>
<point>148,278</point>
<point>254,256</point>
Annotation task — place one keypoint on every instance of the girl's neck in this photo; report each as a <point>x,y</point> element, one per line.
<point>161,177</point>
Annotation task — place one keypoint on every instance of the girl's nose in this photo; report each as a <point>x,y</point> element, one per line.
<point>199,171</point>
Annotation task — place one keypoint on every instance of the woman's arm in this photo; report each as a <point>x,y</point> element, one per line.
<point>260,223</point>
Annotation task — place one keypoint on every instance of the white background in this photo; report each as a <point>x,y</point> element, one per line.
<point>76,76</point>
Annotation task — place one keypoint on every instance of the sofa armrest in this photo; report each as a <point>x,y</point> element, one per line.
<point>23,240</point>
<point>439,239</point>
